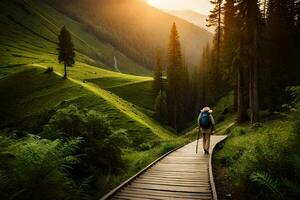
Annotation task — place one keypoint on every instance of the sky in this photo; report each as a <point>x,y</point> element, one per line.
<point>201,6</point>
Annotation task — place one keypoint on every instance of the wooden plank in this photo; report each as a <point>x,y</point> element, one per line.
<point>173,183</point>
<point>190,170</point>
<point>185,166</point>
<point>166,193</point>
<point>184,180</point>
<point>171,188</point>
<point>161,196</point>
<point>206,179</point>
<point>177,172</point>
<point>202,177</point>
<point>133,198</point>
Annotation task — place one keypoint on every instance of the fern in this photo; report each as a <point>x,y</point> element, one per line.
<point>80,188</point>
<point>264,179</point>
<point>292,187</point>
<point>35,167</point>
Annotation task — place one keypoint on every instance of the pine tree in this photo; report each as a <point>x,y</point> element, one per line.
<point>158,80</point>
<point>215,76</point>
<point>161,107</point>
<point>252,30</point>
<point>199,80</point>
<point>173,74</point>
<point>242,82</point>
<point>186,94</point>
<point>249,16</point>
<point>230,43</point>
<point>204,76</point>
<point>66,51</point>
<point>215,19</point>
<point>281,70</point>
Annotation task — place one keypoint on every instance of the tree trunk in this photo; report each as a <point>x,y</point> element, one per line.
<point>254,101</point>
<point>65,75</point>
<point>217,67</point>
<point>252,29</point>
<point>203,89</point>
<point>219,35</point>
<point>235,97</point>
<point>242,90</point>
<point>175,116</point>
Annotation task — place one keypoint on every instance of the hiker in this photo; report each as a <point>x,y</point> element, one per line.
<point>206,125</point>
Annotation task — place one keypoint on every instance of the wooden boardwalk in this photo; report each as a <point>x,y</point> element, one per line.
<point>182,174</point>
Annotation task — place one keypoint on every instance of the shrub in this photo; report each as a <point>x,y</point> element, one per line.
<point>144,147</point>
<point>263,160</point>
<point>297,126</point>
<point>36,168</point>
<point>270,183</point>
<point>99,138</point>
<point>49,70</point>
<point>242,132</point>
<point>220,119</point>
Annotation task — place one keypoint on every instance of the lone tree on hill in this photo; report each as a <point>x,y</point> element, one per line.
<point>66,51</point>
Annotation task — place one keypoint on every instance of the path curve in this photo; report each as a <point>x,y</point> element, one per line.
<point>181,174</point>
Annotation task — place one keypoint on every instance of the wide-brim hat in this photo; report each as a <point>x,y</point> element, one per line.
<point>207,109</point>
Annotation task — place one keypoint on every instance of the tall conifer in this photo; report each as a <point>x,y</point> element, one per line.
<point>173,74</point>
<point>215,19</point>
<point>66,51</point>
<point>158,80</point>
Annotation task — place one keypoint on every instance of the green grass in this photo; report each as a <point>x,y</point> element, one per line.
<point>27,95</point>
<point>269,148</point>
<point>30,36</point>
<point>30,39</point>
<point>30,97</point>
<point>139,93</point>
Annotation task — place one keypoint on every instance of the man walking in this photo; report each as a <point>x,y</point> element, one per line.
<point>206,124</point>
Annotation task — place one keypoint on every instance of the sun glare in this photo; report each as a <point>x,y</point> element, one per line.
<point>152,2</point>
<point>201,6</point>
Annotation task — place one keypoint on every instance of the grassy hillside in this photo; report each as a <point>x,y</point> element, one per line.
<point>262,161</point>
<point>30,97</point>
<point>30,39</point>
<point>27,95</point>
<point>135,27</point>
<point>139,93</point>
<point>29,32</point>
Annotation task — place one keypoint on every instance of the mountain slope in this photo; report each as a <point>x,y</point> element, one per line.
<point>29,95</point>
<point>134,27</point>
<point>29,39</point>
<point>192,17</point>
<point>29,35</point>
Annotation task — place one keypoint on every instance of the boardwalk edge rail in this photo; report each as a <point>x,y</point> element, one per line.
<point>122,185</point>
<point>211,174</point>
